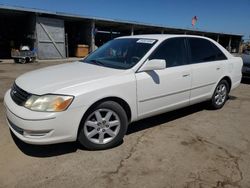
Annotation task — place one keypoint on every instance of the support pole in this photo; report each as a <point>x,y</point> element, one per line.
<point>229,44</point>
<point>240,48</point>
<point>132,30</point>
<point>92,40</point>
<point>111,34</point>
<point>218,38</point>
<point>162,31</point>
<point>67,45</point>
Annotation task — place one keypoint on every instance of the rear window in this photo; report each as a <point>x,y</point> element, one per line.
<point>203,50</point>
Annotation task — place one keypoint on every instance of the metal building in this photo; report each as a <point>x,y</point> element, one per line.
<point>56,35</point>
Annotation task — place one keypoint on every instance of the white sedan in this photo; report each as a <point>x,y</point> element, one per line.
<point>127,79</point>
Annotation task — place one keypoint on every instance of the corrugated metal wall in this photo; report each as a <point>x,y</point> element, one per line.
<point>50,38</point>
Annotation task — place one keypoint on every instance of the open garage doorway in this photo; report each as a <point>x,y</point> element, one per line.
<point>77,38</point>
<point>106,31</point>
<point>17,29</point>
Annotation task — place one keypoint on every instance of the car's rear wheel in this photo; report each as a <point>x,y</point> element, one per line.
<point>103,127</point>
<point>220,95</point>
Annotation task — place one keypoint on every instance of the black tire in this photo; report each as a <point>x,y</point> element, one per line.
<point>16,60</point>
<point>27,60</point>
<point>23,61</point>
<point>119,111</point>
<point>214,103</point>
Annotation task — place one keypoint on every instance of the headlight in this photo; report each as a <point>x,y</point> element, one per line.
<point>48,103</point>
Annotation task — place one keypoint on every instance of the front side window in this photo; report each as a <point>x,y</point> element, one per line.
<point>121,53</point>
<point>173,51</point>
<point>202,50</point>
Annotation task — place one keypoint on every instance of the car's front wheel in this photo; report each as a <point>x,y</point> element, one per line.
<point>103,127</point>
<point>220,95</point>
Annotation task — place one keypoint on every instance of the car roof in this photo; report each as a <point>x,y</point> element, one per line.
<point>161,37</point>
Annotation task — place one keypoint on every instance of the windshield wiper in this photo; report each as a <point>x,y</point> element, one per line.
<point>97,62</point>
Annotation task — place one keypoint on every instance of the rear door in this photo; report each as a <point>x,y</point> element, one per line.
<point>207,67</point>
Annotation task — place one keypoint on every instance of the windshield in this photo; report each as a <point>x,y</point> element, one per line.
<point>120,53</point>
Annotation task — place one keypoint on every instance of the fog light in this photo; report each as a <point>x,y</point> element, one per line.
<point>28,133</point>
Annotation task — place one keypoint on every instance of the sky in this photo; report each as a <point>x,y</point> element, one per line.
<point>228,16</point>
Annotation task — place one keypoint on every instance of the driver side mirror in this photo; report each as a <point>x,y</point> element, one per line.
<point>153,64</point>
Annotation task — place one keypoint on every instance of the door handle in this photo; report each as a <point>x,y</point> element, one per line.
<point>218,68</point>
<point>185,75</point>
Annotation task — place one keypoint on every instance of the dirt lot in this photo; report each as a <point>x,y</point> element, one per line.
<point>191,147</point>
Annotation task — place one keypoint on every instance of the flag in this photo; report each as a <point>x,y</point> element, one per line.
<point>194,20</point>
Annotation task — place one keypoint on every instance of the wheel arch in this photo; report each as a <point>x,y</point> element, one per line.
<point>118,100</point>
<point>229,81</point>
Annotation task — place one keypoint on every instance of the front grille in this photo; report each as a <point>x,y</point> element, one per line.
<point>18,95</point>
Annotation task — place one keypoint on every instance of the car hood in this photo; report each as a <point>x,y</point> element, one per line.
<point>55,78</point>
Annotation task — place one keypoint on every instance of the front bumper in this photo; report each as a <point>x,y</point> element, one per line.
<point>42,127</point>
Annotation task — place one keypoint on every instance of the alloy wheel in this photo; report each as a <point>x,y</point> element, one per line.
<point>220,94</point>
<point>102,126</point>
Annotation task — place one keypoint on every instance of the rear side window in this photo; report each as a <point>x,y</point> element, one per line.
<point>173,51</point>
<point>203,50</point>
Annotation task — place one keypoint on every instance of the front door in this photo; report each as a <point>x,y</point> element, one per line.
<point>163,90</point>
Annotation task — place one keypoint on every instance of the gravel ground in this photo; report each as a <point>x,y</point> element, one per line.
<point>192,147</point>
